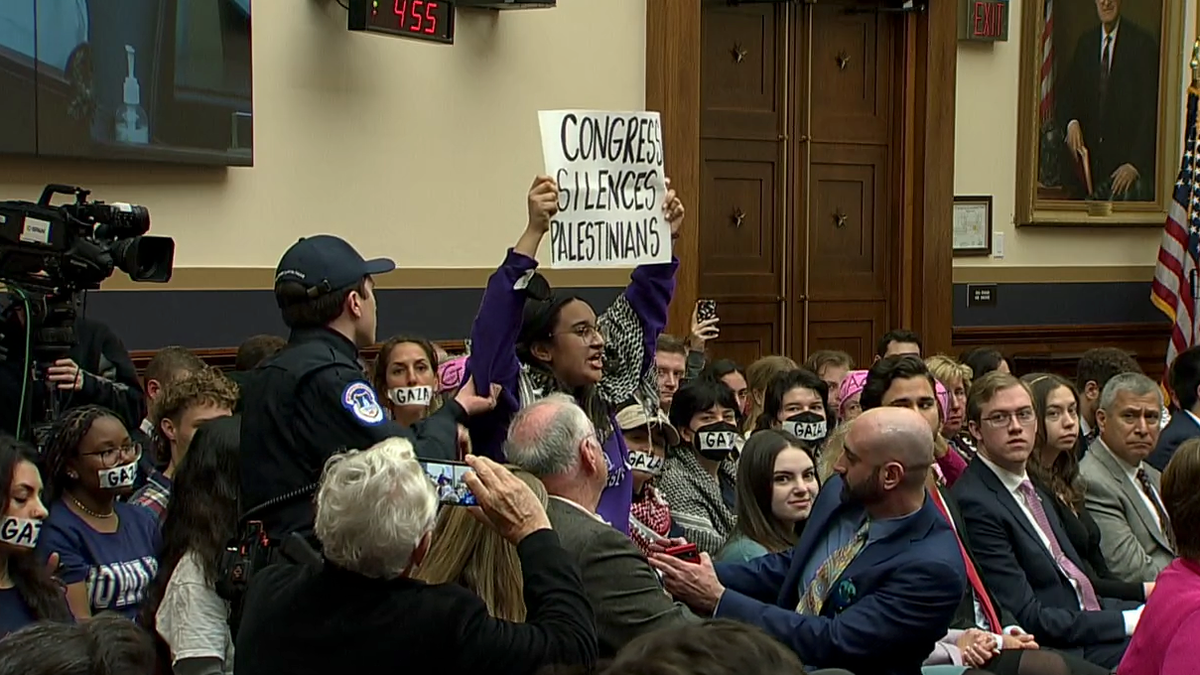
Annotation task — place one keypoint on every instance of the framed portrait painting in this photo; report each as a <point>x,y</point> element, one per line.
<point>1100,108</point>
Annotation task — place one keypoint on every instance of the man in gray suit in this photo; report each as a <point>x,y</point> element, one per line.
<point>554,440</point>
<point>1122,491</point>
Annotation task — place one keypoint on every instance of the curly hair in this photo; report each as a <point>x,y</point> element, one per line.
<point>63,442</point>
<point>29,576</point>
<point>206,386</point>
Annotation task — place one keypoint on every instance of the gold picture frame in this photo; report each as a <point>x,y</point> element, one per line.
<point>1051,178</point>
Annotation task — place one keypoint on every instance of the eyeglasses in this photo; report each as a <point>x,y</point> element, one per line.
<point>999,420</point>
<point>585,332</point>
<point>111,457</point>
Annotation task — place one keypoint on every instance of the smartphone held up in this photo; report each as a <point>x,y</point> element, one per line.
<point>447,479</point>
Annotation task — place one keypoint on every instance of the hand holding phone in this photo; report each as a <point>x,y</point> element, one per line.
<point>505,501</point>
<point>686,553</point>
<point>447,479</point>
<point>704,324</point>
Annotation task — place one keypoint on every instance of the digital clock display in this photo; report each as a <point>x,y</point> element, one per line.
<point>421,19</point>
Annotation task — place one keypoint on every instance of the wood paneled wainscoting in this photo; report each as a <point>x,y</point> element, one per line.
<point>1056,349</point>
<point>225,357</point>
<point>1031,349</point>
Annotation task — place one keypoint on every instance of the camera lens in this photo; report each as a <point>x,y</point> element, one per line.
<point>145,258</point>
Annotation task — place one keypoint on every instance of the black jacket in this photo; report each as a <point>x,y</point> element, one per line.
<point>303,621</point>
<point>307,403</point>
<point>109,380</point>
<point>1179,429</point>
<point>1121,127</point>
<point>1021,572</point>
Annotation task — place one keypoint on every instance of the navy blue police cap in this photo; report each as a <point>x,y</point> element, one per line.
<point>324,264</point>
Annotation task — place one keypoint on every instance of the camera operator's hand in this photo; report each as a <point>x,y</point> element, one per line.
<point>66,374</point>
<point>505,501</point>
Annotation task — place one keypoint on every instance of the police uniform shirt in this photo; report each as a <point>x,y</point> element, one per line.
<point>307,403</point>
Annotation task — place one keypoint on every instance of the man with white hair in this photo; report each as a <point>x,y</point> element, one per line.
<point>375,514</point>
<point>554,440</point>
<point>1122,493</point>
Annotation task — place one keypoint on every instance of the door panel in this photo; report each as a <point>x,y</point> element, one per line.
<point>853,327</point>
<point>850,236</point>
<point>851,67</point>
<point>739,228</point>
<point>748,331</point>
<point>740,89</point>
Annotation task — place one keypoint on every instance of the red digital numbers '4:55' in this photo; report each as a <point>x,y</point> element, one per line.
<point>417,16</point>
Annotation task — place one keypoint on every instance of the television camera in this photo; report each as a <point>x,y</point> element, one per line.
<point>50,255</point>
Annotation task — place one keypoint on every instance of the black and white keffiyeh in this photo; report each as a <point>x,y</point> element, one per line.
<point>625,378</point>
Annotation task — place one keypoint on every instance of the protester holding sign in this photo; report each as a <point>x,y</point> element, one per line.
<point>27,593</point>
<point>107,549</point>
<point>611,188</point>
<point>700,475</point>
<point>533,342</point>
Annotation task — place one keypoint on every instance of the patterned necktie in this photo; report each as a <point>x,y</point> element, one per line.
<point>981,594</point>
<point>1164,521</point>
<point>1087,593</point>
<point>829,571</point>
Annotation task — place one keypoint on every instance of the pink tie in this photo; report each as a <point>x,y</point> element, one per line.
<point>1074,573</point>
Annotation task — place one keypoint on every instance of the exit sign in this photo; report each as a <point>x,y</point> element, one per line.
<point>983,20</point>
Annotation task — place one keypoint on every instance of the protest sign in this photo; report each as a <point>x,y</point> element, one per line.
<point>609,170</point>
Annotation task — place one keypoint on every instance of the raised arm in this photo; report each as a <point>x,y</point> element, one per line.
<point>632,324</point>
<point>494,333</point>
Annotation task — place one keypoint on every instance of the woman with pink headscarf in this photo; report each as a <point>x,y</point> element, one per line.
<point>849,394</point>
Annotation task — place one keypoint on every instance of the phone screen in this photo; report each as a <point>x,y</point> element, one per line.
<point>447,479</point>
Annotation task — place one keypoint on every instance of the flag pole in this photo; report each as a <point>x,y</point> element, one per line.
<point>1195,62</point>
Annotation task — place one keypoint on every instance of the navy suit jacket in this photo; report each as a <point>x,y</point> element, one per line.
<point>884,614</point>
<point>1179,429</point>
<point>1021,572</point>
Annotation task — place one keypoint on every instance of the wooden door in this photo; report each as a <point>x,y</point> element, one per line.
<point>846,223</point>
<point>798,220</point>
<point>742,178</point>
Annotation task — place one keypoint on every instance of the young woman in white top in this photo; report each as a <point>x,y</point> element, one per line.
<point>182,607</point>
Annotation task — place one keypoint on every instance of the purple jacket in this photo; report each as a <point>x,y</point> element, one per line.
<point>493,360</point>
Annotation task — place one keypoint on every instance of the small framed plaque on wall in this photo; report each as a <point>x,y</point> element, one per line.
<point>972,226</point>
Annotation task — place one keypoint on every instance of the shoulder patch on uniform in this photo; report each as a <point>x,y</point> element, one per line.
<point>359,398</point>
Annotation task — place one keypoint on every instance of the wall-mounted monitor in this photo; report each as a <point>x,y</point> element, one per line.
<point>142,80</point>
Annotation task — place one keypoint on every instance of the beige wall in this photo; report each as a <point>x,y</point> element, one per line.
<point>419,151</point>
<point>985,164</point>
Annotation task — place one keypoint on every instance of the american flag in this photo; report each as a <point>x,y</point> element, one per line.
<point>1175,276</point>
<point>1047,69</point>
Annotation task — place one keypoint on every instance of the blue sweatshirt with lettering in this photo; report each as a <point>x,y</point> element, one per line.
<point>117,567</point>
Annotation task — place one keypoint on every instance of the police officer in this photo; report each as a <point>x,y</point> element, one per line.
<point>312,399</point>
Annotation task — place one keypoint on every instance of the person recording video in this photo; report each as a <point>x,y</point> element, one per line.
<point>96,371</point>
